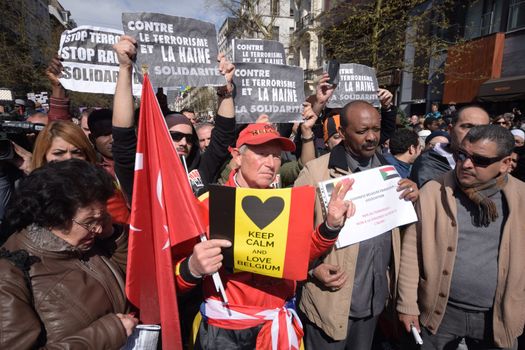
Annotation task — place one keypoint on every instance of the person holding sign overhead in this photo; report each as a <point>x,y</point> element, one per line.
<point>239,325</point>
<point>323,94</point>
<point>347,290</point>
<point>203,168</point>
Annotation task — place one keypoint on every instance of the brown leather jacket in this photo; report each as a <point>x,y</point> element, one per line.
<point>74,296</point>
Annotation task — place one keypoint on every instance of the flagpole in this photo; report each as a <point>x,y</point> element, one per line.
<point>219,287</point>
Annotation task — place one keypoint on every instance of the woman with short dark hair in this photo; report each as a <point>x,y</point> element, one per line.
<point>62,270</point>
<point>62,140</point>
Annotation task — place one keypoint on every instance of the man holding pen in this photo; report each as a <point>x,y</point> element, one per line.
<point>461,272</point>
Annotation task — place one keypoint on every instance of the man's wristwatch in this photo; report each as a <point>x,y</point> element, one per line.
<point>388,107</point>
<point>223,91</point>
<point>307,139</point>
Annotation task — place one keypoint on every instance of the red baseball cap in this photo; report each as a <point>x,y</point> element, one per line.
<point>260,133</point>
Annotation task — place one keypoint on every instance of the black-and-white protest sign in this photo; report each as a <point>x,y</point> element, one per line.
<point>89,61</point>
<point>258,51</point>
<point>275,90</point>
<point>41,97</point>
<point>177,50</point>
<point>356,82</point>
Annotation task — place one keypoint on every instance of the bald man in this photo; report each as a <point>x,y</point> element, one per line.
<point>347,290</point>
<point>430,165</point>
<point>38,118</point>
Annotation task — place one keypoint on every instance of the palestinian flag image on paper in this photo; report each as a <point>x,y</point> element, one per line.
<point>388,172</point>
<point>270,229</point>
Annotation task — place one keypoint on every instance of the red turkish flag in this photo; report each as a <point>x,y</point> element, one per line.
<point>164,212</point>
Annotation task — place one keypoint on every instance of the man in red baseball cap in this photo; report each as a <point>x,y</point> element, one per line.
<point>257,154</point>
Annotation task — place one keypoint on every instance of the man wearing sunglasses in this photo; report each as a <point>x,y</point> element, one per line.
<point>182,134</point>
<point>203,168</point>
<point>440,159</point>
<point>461,272</point>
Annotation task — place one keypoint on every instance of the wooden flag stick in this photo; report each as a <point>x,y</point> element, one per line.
<point>145,69</point>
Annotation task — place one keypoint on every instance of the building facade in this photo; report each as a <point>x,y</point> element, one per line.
<point>485,67</point>
<point>273,19</point>
<point>496,31</point>
<point>306,50</point>
<point>59,16</point>
<point>225,36</point>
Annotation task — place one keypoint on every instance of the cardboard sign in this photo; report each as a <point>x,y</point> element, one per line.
<point>89,61</point>
<point>274,90</point>
<point>270,232</point>
<point>177,50</point>
<point>356,82</point>
<point>258,51</point>
<point>378,206</point>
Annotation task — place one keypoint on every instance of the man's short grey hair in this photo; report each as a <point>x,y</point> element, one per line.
<point>202,125</point>
<point>243,148</point>
<point>495,133</point>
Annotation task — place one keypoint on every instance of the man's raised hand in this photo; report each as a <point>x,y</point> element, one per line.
<point>340,209</point>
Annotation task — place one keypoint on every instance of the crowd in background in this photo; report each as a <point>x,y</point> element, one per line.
<point>65,196</point>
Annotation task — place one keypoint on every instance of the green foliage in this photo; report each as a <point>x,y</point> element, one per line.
<point>401,118</point>
<point>24,59</point>
<point>375,33</point>
<point>21,57</point>
<point>80,99</point>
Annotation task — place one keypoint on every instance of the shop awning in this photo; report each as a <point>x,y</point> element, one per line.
<point>503,89</point>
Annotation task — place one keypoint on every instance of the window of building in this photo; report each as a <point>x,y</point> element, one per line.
<point>275,7</point>
<point>291,8</point>
<point>484,18</point>
<point>516,14</point>
<point>491,17</point>
<point>275,33</point>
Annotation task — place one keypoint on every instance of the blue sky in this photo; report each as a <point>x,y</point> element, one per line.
<point>107,13</point>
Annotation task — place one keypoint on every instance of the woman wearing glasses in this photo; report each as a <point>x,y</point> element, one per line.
<point>503,120</point>
<point>62,270</point>
<point>63,140</point>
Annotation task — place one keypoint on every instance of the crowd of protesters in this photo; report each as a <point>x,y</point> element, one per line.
<point>456,276</point>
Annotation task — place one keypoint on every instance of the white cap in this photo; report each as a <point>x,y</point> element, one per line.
<point>422,136</point>
<point>519,133</point>
<point>424,133</point>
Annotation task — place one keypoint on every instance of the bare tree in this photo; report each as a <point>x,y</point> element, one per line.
<point>253,18</point>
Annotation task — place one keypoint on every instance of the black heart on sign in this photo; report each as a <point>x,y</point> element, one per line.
<point>262,213</point>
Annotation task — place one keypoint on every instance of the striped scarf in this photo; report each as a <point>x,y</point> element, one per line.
<point>480,195</point>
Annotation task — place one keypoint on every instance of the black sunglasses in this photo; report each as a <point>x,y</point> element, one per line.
<point>477,160</point>
<point>177,136</point>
